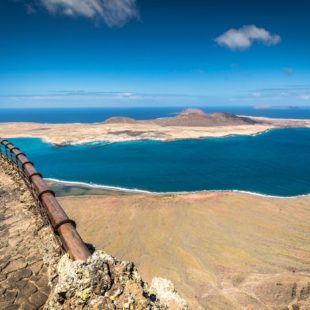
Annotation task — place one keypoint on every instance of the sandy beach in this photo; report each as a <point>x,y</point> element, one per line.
<point>222,250</point>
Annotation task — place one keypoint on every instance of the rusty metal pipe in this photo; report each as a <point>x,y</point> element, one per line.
<point>23,160</point>
<point>62,225</point>
<point>13,148</point>
<point>72,242</point>
<point>56,214</point>
<point>10,146</point>
<point>5,142</point>
<point>16,151</point>
<point>40,186</point>
<point>30,171</point>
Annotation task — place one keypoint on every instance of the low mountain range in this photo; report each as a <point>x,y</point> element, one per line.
<point>191,118</point>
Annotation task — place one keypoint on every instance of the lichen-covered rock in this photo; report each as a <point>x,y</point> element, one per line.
<point>103,282</point>
<point>165,291</point>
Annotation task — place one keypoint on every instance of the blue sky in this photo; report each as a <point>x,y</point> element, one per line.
<point>154,53</point>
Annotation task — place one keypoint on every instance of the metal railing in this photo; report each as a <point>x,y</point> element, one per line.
<point>49,207</point>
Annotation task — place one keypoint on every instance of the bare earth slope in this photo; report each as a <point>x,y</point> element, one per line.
<point>198,118</point>
<point>190,124</point>
<point>222,250</point>
<point>35,275</point>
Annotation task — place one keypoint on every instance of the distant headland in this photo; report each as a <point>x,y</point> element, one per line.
<point>189,124</point>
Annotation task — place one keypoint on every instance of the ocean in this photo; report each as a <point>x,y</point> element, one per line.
<point>93,115</point>
<point>275,163</point>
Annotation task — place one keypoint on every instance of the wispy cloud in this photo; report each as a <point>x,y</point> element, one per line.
<point>305,97</point>
<point>291,89</point>
<point>85,98</point>
<point>90,93</point>
<point>256,94</point>
<point>244,37</point>
<point>114,13</point>
<point>297,95</point>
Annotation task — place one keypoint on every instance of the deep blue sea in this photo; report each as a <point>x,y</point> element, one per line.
<point>274,163</point>
<point>93,115</point>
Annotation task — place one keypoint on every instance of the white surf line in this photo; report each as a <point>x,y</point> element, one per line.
<point>141,191</point>
<point>94,185</point>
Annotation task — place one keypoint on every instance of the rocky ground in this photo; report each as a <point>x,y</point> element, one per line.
<point>103,282</point>
<point>23,277</point>
<point>35,274</point>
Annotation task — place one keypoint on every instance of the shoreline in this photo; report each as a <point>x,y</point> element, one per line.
<point>184,126</point>
<point>123,190</point>
<point>108,142</point>
<point>103,141</point>
<point>110,134</point>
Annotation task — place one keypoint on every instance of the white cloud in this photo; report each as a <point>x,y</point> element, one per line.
<point>305,97</point>
<point>245,36</point>
<point>256,94</point>
<point>112,12</point>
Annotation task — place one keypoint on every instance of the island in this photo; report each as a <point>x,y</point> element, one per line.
<point>189,124</point>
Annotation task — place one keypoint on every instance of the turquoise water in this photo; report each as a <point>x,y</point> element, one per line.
<point>274,163</point>
<point>83,115</point>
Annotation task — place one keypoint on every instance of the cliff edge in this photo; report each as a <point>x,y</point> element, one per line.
<point>36,274</point>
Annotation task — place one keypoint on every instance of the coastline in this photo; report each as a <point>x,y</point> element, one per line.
<point>76,134</point>
<point>66,186</point>
<point>223,249</point>
<point>118,129</point>
<point>75,185</point>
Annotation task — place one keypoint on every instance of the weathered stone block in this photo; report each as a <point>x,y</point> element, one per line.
<point>38,299</point>
<point>15,265</point>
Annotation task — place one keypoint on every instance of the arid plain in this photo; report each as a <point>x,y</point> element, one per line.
<point>222,250</point>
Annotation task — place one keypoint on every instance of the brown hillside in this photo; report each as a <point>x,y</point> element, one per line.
<point>120,120</point>
<point>223,251</point>
<point>199,118</point>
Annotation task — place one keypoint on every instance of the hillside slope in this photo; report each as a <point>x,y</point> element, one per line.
<point>222,250</point>
<point>199,118</point>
